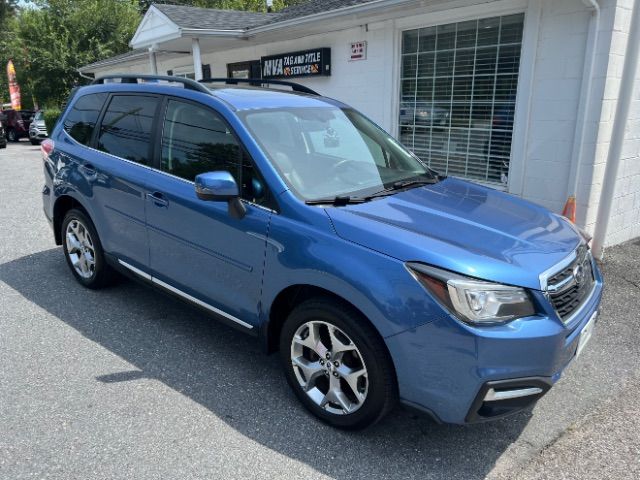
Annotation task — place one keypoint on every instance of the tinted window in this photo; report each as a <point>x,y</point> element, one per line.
<point>82,118</point>
<point>126,127</point>
<point>196,140</point>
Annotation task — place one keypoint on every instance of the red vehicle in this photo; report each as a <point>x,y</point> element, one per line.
<point>16,123</point>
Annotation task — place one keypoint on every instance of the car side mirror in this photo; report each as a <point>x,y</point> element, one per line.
<point>220,187</point>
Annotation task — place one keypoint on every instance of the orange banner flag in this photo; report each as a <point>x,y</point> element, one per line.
<point>14,88</point>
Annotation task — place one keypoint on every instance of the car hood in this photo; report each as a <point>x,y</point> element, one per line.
<point>463,227</point>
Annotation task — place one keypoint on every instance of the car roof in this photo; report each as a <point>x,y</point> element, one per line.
<point>245,98</point>
<point>236,97</point>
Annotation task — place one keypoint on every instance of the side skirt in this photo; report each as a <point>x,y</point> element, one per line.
<point>143,277</point>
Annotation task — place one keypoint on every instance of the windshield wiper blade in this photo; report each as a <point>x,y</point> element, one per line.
<point>337,201</point>
<point>401,186</point>
<point>412,183</point>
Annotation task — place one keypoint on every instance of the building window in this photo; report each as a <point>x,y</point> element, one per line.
<point>458,94</point>
<point>244,69</point>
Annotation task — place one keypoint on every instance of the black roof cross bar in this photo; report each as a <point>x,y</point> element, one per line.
<point>296,87</point>
<point>134,77</point>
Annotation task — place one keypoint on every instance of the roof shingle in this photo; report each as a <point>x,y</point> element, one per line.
<point>211,18</point>
<point>315,6</point>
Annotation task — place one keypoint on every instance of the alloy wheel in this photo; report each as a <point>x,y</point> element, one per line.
<point>80,249</point>
<point>329,367</point>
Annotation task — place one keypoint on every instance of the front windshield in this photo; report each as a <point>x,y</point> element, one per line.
<point>324,152</point>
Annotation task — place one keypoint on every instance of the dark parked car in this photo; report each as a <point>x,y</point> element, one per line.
<point>3,137</point>
<point>294,218</point>
<point>16,123</point>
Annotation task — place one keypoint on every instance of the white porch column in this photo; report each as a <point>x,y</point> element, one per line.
<point>197,60</point>
<point>153,62</point>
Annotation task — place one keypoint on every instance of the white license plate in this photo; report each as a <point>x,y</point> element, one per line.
<point>586,333</point>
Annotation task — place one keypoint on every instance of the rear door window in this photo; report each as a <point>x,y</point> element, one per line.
<point>82,118</point>
<point>127,126</point>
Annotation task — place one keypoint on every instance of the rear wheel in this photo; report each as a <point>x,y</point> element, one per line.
<point>35,142</point>
<point>83,251</point>
<point>12,136</point>
<point>337,364</point>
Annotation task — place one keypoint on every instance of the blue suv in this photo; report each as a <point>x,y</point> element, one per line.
<point>294,218</point>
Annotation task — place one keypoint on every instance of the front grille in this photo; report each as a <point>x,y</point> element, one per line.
<point>570,287</point>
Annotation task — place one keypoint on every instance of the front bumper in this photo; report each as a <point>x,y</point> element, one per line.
<point>446,368</point>
<point>37,135</point>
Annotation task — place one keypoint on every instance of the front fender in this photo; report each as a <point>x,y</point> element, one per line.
<point>376,284</point>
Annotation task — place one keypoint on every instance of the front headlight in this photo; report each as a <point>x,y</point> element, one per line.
<point>473,301</point>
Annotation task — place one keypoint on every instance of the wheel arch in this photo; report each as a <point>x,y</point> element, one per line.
<point>290,297</point>
<point>62,205</point>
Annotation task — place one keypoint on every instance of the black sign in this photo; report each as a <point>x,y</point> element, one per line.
<point>307,63</point>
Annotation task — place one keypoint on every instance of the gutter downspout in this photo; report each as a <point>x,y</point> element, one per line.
<point>585,96</point>
<point>617,136</point>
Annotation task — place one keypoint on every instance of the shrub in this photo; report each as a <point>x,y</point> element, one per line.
<point>50,118</point>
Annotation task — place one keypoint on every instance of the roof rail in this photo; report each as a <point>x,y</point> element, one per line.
<point>296,87</point>
<point>134,77</point>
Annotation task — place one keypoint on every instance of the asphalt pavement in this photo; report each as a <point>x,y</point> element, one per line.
<point>129,383</point>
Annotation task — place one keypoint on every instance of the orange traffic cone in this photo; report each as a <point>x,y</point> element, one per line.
<point>570,209</point>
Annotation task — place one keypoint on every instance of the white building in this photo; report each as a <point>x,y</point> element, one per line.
<point>529,96</point>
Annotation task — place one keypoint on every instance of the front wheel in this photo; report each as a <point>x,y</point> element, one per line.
<point>337,364</point>
<point>12,136</point>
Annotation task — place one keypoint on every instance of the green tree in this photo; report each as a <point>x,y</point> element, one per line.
<point>55,37</point>
<point>7,9</point>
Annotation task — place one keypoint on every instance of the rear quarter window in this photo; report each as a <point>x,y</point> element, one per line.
<point>81,120</point>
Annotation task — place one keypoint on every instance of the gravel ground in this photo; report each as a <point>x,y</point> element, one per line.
<point>128,383</point>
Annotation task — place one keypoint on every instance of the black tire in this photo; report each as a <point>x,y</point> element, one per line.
<point>101,275</point>
<point>12,136</point>
<point>35,142</point>
<point>3,145</point>
<point>382,392</point>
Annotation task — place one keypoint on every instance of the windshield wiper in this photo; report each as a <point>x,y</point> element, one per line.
<point>342,200</point>
<point>414,183</point>
<point>337,201</point>
<point>402,185</point>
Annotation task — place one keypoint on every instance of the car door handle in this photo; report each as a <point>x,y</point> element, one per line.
<point>158,199</point>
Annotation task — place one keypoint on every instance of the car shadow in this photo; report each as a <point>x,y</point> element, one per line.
<point>227,372</point>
